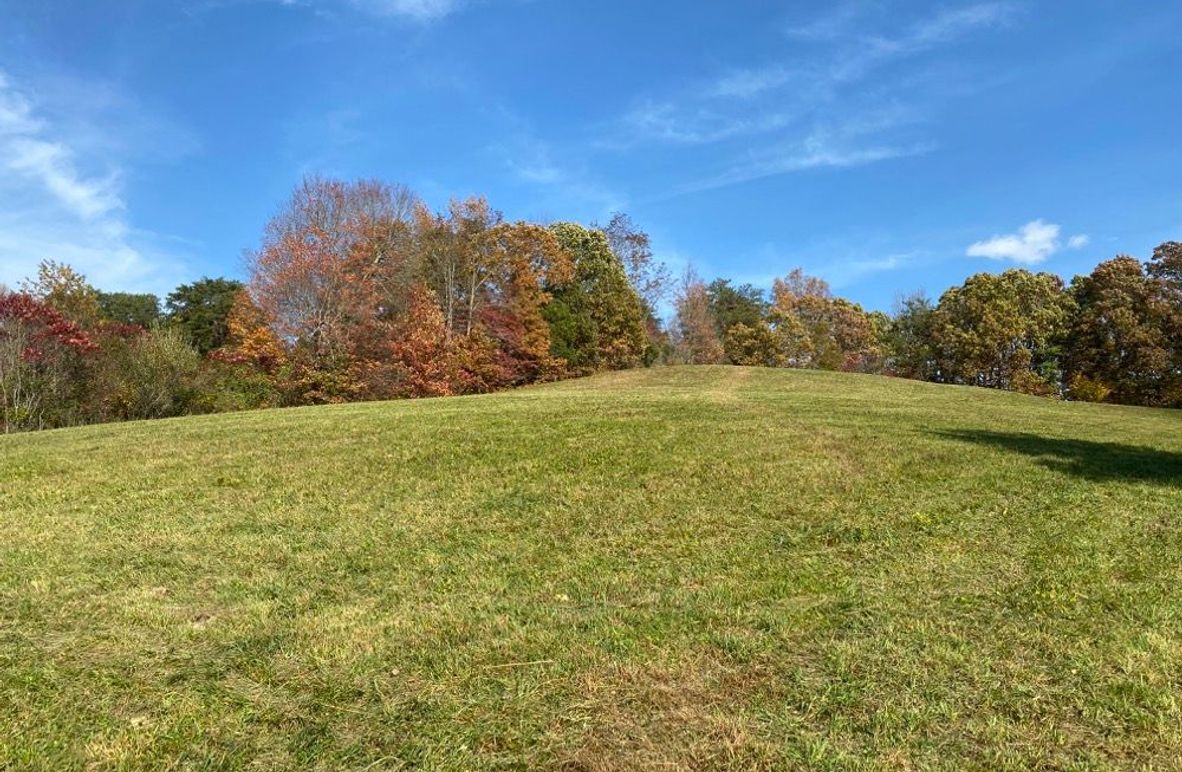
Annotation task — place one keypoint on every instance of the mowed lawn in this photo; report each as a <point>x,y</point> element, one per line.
<point>677,568</point>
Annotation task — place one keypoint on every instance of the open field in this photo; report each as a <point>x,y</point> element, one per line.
<point>674,568</point>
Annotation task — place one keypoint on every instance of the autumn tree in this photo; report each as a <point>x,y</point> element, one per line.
<point>839,334</point>
<point>492,281</point>
<point>384,216</point>
<point>455,258</point>
<point>649,277</point>
<point>525,260</point>
<point>695,329</point>
<point>340,267</point>
<point>153,374</point>
<point>321,279</point>
<point>801,303</point>
<point>759,344</point>
<point>601,318</point>
<point>1124,335</point>
<point>324,261</point>
<point>44,363</point>
<point>249,337</point>
<point>1002,331</point>
<point>250,369</point>
<point>427,361</point>
<point>1166,265</point>
<point>66,290</point>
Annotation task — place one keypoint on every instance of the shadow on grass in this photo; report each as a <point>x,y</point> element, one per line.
<point>1092,460</point>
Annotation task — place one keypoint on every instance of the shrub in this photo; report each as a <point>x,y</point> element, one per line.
<point>153,375</point>
<point>230,386</point>
<point>1086,389</point>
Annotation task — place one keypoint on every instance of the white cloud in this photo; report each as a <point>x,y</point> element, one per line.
<point>59,203</point>
<point>843,273</point>
<point>875,265</point>
<point>1078,242</point>
<point>532,161</point>
<point>538,172</point>
<point>16,115</point>
<point>949,24</point>
<point>51,165</point>
<point>829,27</point>
<point>867,53</point>
<point>703,125</point>
<point>749,82</point>
<point>816,152</point>
<point>854,142</point>
<point>851,56</point>
<point>1032,244</point>
<point>415,10</point>
<point>850,102</point>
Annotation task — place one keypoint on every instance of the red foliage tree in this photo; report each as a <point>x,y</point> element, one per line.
<point>42,364</point>
<point>43,327</point>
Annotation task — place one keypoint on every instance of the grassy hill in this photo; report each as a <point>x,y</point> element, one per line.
<point>686,567</point>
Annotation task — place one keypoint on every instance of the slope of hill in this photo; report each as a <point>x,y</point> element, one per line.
<point>687,567</point>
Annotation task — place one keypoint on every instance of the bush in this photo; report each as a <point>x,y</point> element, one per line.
<point>1029,382</point>
<point>1085,389</point>
<point>153,375</point>
<point>230,386</point>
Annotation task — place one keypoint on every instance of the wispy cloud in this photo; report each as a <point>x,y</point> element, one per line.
<point>844,273</point>
<point>861,54</point>
<point>796,90</point>
<point>841,261</point>
<point>950,23</point>
<point>320,142</point>
<point>856,141</point>
<point>573,187</point>
<point>816,151</point>
<point>26,154</point>
<point>701,125</point>
<point>744,83</point>
<point>414,10</point>
<point>831,26</point>
<point>538,171</point>
<point>56,203</point>
<point>557,173</point>
<point>820,110</point>
<point>1032,244</point>
<point>51,165</point>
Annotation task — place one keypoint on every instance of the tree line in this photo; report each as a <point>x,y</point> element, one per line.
<point>1113,335</point>
<point>359,291</point>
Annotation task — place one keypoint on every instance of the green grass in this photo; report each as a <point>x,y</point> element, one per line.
<point>675,568</point>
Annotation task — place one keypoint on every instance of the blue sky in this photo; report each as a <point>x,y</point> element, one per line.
<point>886,146</point>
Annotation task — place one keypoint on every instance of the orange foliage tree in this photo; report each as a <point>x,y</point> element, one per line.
<point>351,280</point>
